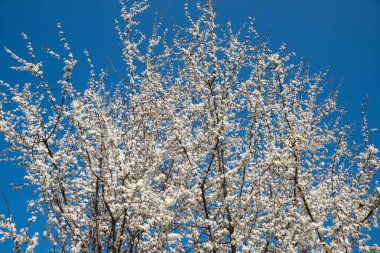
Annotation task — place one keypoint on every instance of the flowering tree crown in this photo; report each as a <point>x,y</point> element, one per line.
<point>210,142</point>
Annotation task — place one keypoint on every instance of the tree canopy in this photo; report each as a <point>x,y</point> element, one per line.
<point>210,142</point>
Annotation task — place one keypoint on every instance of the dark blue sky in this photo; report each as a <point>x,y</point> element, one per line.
<point>341,34</point>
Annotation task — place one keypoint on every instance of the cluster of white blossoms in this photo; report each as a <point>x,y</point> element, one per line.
<point>211,142</point>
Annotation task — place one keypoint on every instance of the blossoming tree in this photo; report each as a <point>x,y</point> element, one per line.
<point>211,142</point>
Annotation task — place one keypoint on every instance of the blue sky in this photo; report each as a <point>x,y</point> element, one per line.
<point>341,34</point>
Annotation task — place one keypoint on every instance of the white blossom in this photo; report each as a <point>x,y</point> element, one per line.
<point>212,144</point>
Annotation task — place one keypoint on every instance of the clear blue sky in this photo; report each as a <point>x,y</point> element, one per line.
<point>342,34</point>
